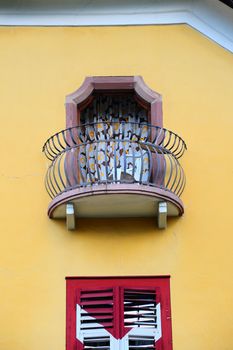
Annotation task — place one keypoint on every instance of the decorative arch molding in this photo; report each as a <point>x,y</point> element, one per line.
<point>113,83</point>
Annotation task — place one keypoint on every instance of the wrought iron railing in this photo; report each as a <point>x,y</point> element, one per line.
<point>114,153</point>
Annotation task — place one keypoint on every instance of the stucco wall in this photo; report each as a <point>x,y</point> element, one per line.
<point>38,67</point>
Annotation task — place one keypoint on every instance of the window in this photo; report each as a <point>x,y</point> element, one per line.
<point>116,313</point>
<point>115,115</point>
<point>112,127</point>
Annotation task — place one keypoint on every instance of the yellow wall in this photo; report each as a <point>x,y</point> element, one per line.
<point>38,67</point>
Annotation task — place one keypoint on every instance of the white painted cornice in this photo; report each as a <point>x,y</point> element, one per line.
<point>210,17</point>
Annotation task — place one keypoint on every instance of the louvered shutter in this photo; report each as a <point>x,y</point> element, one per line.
<point>96,343</point>
<point>142,314</point>
<point>118,314</point>
<point>96,309</point>
<point>95,318</point>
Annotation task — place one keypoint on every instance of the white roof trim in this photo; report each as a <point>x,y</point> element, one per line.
<point>210,17</point>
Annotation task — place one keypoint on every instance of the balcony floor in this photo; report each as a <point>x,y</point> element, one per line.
<point>115,200</point>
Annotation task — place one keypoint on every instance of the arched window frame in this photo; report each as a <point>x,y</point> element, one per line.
<point>79,99</point>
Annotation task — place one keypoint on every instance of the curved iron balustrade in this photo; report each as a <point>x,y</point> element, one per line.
<point>155,135</point>
<point>152,154</point>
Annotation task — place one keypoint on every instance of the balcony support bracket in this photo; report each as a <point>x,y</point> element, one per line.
<point>162,215</point>
<point>70,216</point>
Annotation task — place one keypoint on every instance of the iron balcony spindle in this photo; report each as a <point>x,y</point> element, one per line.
<point>114,153</point>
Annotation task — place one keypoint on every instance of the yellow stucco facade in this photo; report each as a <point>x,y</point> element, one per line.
<point>38,67</point>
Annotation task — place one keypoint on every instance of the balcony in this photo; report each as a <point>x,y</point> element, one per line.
<point>114,169</point>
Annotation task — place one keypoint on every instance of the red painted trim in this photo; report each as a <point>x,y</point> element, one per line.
<point>117,313</point>
<point>71,114</point>
<point>71,340</point>
<point>168,317</point>
<point>117,277</point>
<point>117,189</point>
<point>135,83</point>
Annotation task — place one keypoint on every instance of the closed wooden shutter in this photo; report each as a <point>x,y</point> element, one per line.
<point>116,315</point>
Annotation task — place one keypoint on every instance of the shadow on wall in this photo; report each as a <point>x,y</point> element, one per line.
<point>116,227</point>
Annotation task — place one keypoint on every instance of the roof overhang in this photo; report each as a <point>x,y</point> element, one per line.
<point>210,17</point>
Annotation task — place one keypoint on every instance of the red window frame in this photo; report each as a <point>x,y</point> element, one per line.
<point>74,286</point>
